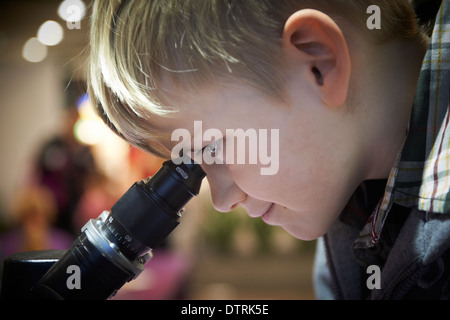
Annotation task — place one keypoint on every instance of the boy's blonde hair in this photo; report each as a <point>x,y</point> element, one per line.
<point>135,45</point>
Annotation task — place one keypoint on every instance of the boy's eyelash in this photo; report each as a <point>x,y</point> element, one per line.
<point>213,145</point>
<point>199,151</point>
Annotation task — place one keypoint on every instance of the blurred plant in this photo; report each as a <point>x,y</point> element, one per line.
<point>219,229</point>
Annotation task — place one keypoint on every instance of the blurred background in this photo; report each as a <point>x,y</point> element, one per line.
<point>60,166</point>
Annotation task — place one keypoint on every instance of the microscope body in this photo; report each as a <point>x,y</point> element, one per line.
<point>112,249</point>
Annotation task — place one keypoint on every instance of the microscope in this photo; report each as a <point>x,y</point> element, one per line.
<point>112,249</point>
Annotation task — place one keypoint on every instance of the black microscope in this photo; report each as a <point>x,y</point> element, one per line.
<point>112,249</point>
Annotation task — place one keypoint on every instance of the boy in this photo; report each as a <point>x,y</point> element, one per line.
<point>362,157</point>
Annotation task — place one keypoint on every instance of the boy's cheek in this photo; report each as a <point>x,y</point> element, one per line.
<point>262,187</point>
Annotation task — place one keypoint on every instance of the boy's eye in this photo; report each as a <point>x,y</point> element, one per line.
<point>211,149</point>
<point>209,153</point>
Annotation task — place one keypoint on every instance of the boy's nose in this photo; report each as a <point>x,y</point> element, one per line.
<point>226,199</point>
<point>226,195</point>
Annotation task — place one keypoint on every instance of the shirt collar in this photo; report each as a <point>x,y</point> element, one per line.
<point>420,177</point>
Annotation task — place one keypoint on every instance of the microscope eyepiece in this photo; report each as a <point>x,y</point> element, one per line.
<point>150,210</point>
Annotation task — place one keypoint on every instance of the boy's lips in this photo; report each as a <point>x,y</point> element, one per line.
<point>266,217</point>
<point>264,212</point>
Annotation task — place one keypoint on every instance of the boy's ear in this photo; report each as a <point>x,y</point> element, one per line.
<point>316,39</point>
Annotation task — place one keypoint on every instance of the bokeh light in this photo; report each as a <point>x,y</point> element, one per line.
<point>72,10</point>
<point>50,33</point>
<point>89,129</point>
<point>34,50</point>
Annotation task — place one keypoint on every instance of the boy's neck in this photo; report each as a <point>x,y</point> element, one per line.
<point>388,102</point>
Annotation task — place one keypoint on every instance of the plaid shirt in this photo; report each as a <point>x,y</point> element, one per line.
<point>421,176</point>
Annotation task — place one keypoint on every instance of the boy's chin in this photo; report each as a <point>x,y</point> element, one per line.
<point>305,234</point>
